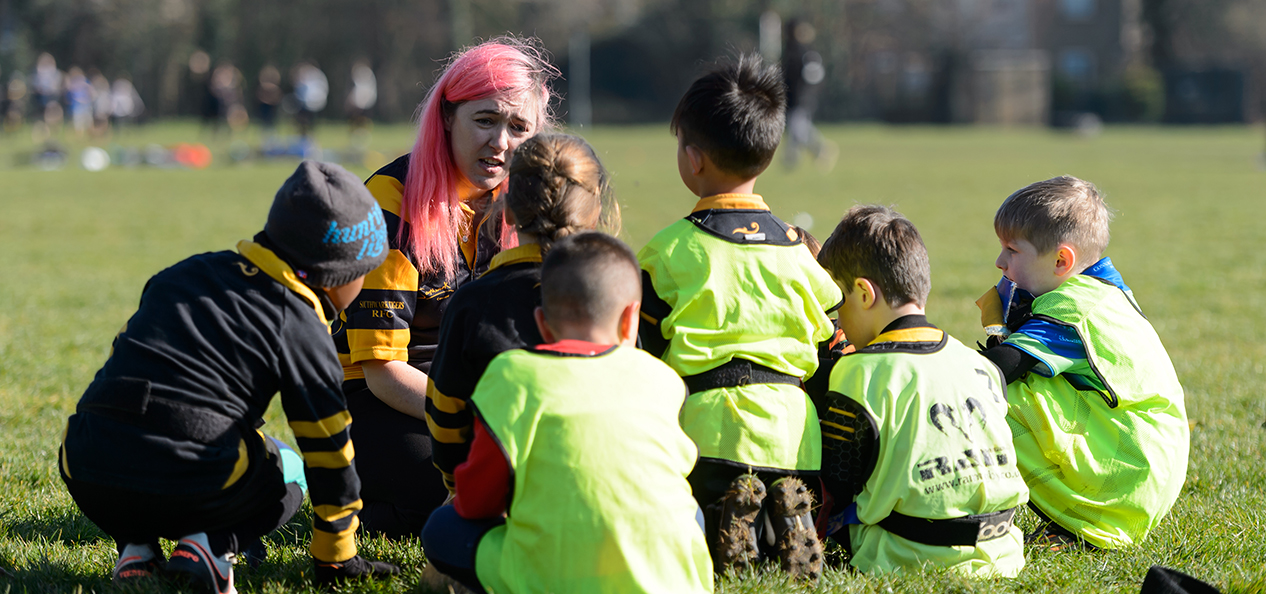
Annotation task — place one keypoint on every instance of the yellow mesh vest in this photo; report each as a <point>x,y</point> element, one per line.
<point>944,452</point>
<point>1106,465</point>
<point>600,500</point>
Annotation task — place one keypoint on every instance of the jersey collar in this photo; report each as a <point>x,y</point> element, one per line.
<point>528,252</point>
<point>731,202</point>
<point>908,329</point>
<point>281,272</point>
<point>1105,270</point>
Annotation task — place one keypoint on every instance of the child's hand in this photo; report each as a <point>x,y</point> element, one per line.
<point>992,316</point>
<point>1004,308</point>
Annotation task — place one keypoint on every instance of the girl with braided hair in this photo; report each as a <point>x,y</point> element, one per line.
<point>557,188</point>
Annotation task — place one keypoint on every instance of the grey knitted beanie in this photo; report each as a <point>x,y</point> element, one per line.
<point>326,225</point>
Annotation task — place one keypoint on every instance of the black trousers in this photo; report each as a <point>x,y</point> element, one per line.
<point>400,485</point>
<point>234,518</point>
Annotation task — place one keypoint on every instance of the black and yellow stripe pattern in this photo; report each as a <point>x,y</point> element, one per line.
<point>328,454</point>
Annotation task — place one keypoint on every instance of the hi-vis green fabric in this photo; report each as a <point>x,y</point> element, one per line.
<point>753,300</point>
<point>1108,464</point>
<point>944,450</point>
<point>600,498</point>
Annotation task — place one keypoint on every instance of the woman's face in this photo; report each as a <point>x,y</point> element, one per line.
<point>484,133</point>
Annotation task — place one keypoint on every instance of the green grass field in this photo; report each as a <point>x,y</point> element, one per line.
<point>76,248</point>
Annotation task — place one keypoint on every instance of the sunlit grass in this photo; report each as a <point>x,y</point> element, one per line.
<point>76,247</point>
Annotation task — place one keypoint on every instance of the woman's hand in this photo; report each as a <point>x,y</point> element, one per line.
<point>398,384</point>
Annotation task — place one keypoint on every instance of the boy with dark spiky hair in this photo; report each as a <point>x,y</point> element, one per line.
<point>917,456</point>
<point>734,303</point>
<point>576,479</point>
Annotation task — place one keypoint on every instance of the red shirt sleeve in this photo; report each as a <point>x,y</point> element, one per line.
<point>483,480</point>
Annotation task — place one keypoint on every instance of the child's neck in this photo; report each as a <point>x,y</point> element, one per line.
<point>710,185</point>
<point>587,334</point>
<point>888,315</point>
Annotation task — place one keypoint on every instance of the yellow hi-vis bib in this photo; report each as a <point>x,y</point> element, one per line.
<point>755,301</point>
<point>944,450</point>
<point>1106,465</point>
<point>600,500</point>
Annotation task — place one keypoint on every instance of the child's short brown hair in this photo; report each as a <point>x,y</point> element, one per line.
<point>1059,210</point>
<point>589,278</point>
<point>877,243</point>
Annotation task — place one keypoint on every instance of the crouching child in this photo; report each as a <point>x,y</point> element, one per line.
<point>576,478</point>
<point>1097,410</point>
<point>917,455</point>
<point>165,443</point>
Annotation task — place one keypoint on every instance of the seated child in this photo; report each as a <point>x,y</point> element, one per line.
<point>576,480</point>
<point>557,187</point>
<point>916,456</point>
<point>1097,411</point>
<point>736,304</point>
<point>164,442</point>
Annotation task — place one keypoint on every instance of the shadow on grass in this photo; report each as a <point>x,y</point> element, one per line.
<point>66,527</point>
<point>46,575</point>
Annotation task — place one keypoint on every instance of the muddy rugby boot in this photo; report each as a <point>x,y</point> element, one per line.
<point>795,537</point>
<point>735,546</point>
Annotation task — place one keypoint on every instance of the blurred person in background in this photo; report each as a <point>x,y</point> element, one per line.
<point>804,71</point>
<point>226,85</point>
<point>46,84</point>
<point>79,99</point>
<point>126,104</point>
<point>268,96</point>
<point>443,232</point>
<point>311,91</point>
<point>14,102</point>
<point>360,100</point>
<point>102,102</point>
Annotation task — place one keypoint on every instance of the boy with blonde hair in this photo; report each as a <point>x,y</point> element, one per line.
<point>734,303</point>
<point>1097,410</point>
<point>916,457</point>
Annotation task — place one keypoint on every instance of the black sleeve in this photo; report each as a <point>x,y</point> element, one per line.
<point>850,446</point>
<point>1013,362</point>
<point>650,336</point>
<point>312,396</point>
<point>829,352</point>
<point>452,382</point>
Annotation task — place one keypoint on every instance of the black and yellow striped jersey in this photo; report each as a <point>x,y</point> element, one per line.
<point>486,318</point>
<point>176,407</point>
<point>397,315</point>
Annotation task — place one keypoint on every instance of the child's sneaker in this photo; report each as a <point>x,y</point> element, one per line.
<point>193,562</point>
<point>137,562</point>
<point>795,536</point>
<point>736,528</point>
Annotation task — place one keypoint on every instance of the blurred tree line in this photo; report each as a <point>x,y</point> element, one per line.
<point>644,52</point>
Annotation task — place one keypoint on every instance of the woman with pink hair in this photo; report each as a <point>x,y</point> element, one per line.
<point>438,203</point>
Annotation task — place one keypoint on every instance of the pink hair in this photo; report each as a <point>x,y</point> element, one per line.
<point>505,65</point>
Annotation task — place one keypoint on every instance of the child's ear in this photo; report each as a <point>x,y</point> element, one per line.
<point>867,293</point>
<point>629,319</point>
<point>543,326</point>
<point>1065,260</point>
<point>695,156</point>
